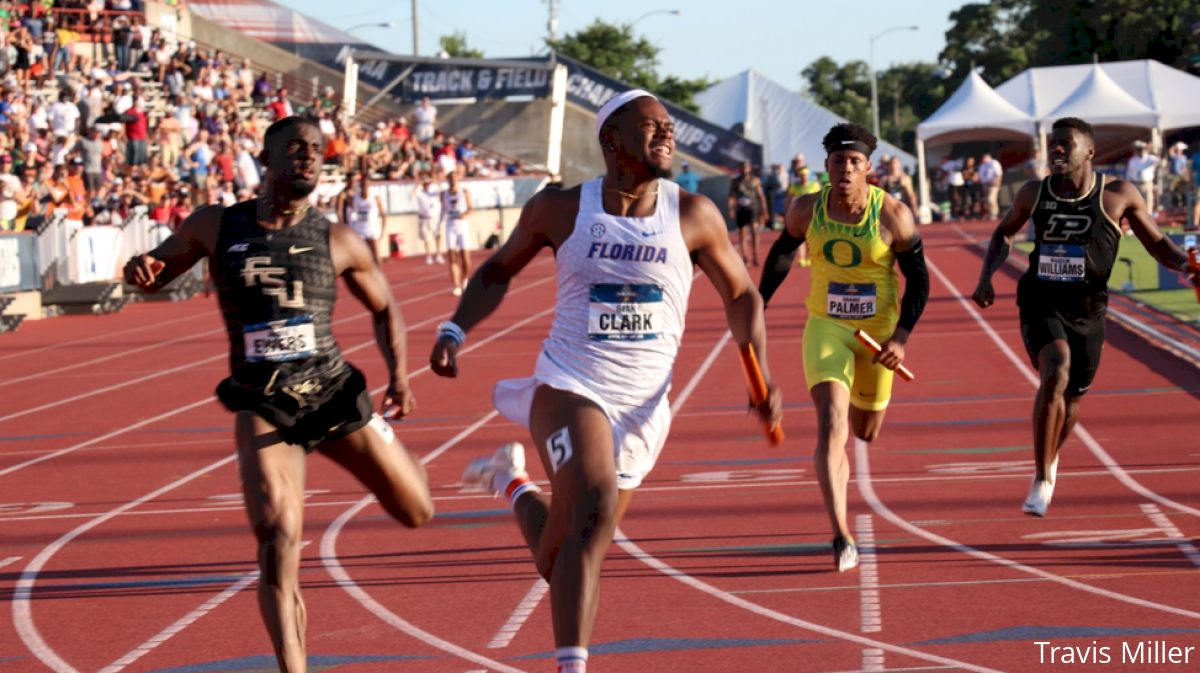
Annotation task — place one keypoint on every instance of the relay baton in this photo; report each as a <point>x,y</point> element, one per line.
<point>1194,267</point>
<point>758,388</point>
<point>874,345</point>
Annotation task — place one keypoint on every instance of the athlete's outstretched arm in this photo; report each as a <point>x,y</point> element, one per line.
<point>706,237</point>
<point>489,283</point>
<point>1135,212</point>
<point>1002,239</point>
<point>194,240</point>
<point>783,250</point>
<point>353,261</point>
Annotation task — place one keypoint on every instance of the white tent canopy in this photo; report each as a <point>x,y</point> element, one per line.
<point>974,112</point>
<point>784,122</point>
<point>1099,100</point>
<point>1170,93</point>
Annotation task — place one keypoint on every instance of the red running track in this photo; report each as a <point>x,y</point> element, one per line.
<point>123,546</point>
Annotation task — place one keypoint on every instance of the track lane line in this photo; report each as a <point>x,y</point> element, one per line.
<point>1080,430</point>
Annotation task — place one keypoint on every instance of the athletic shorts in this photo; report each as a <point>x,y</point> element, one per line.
<point>744,217</point>
<point>831,353</point>
<point>639,430</point>
<point>343,406</point>
<point>1084,335</point>
<point>458,235</point>
<point>426,228</point>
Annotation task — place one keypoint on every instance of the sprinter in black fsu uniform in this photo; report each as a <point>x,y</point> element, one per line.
<point>276,263</point>
<point>1063,296</point>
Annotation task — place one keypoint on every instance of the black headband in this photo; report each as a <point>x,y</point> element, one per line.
<point>856,145</point>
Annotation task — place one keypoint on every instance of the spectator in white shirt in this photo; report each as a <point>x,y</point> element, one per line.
<point>425,117</point>
<point>64,115</point>
<point>429,219</point>
<point>990,175</point>
<point>1140,171</point>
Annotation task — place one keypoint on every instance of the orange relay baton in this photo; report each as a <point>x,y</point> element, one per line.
<point>867,341</point>
<point>758,388</point>
<point>1194,267</point>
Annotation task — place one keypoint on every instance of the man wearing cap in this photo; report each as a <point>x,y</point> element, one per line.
<point>596,404</point>
<point>687,179</point>
<point>1140,171</point>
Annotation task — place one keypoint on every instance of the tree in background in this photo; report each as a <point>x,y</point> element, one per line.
<point>614,50</point>
<point>455,46</point>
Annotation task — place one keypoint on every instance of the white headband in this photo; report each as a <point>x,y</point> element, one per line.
<point>617,101</point>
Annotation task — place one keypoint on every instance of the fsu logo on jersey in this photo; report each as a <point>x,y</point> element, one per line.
<point>258,271</point>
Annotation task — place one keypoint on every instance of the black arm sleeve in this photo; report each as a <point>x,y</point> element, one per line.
<point>779,262</point>
<point>916,285</point>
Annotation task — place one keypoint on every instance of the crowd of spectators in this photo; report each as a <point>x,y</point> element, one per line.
<point>137,119</point>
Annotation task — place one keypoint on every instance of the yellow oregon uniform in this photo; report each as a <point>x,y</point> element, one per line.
<point>853,287</point>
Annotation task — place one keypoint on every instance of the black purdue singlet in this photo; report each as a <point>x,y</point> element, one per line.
<point>1075,246</point>
<point>277,289</point>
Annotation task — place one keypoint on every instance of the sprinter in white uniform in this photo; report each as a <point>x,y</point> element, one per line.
<point>368,216</point>
<point>456,205</point>
<point>596,405</point>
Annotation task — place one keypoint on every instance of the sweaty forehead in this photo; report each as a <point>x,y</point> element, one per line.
<point>645,108</point>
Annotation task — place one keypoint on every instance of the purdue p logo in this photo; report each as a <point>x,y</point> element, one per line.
<point>1066,227</point>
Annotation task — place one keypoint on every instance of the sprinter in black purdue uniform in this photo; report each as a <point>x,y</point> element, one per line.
<point>1063,296</point>
<point>276,262</point>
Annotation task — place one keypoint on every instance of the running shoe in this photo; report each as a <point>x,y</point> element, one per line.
<point>508,462</point>
<point>845,554</point>
<point>1038,500</point>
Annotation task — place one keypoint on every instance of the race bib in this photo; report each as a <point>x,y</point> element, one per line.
<point>745,202</point>
<point>281,340</point>
<point>849,301</point>
<point>1062,263</point>
<point>625,312</point>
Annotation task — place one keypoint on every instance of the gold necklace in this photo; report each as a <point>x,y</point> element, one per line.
<point>629,195</point>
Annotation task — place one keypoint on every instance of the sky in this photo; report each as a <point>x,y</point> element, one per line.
<point>710,38</point>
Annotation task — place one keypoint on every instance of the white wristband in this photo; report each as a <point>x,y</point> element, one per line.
<point>452,330</point>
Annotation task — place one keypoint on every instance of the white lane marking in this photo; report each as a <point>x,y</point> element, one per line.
<point>9,561</point>
<point>22,610</point>
<point>329,540</point>
<point>863,476</point>
<point>330,558</point>
<point>21,607</point>
<point>155,326</point>
<point>189,365</point>
<point>187,620</point>
<point>518,617</point>
<point>1080,431</point>
<point>870,609</point>
<point>75,447</point>
<point>635,551</point>
<point>1169,529</point>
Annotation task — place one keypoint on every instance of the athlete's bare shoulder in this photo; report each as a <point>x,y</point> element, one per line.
<point>550,214</point>
<point>202,227</point>
<point>699,219</point>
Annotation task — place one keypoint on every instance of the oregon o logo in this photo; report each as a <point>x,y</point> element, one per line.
<point>830,252</point>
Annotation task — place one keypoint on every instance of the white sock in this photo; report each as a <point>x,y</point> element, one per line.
<point>513,486</point>
<point>571,659</point>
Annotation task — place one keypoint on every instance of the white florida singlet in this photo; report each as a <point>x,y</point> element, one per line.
<point>623,286</point>
<point>364,217</point>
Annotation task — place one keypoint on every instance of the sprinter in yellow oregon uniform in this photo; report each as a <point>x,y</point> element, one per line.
<point>855,234</point>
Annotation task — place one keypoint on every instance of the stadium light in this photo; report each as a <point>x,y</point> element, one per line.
<point>673,12</point>
<point>874,95</point>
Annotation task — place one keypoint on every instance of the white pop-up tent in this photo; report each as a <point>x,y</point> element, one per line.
<point>973,112</point>
<point>784,122</point>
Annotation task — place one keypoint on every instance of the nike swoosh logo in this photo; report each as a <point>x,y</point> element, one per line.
<point>295,251</point>
<point>648,234</point>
